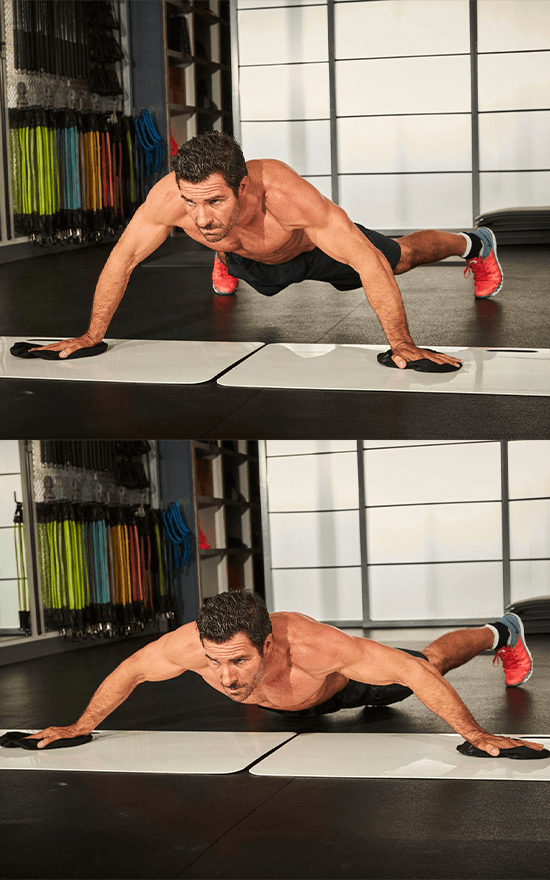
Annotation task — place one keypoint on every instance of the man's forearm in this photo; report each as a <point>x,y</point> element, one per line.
<point>438,695</point>
<point>109,291</point>
<point>109,695</point>
<point>384,296</point>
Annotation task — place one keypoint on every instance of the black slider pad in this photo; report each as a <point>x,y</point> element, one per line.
<point>23,350</point>
<point>520,753</point>
<point>16,739</point>
<point>422,365</point>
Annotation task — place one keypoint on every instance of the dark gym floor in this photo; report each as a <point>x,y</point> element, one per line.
<point>101,825</point>
<point>51,296</point>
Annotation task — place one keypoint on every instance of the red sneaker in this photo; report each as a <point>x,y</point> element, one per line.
<point>222,282</point>
<point>516,658</point>
<point>486,267</point>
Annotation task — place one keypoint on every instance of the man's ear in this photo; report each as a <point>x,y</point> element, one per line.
<point>268,644</point>
<point>243,185</point>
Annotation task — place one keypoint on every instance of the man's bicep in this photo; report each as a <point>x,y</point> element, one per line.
<point>377,664</point>
<point>339,238</point>
<point>143,235</point>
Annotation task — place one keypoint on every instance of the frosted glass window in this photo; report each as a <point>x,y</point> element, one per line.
<point>282,36</point>
<point>314,539</point>
<point>9,605</point>
<point>324,593</point>
<point>512,25</point>
<point>425,27</point>
<point>514,141</point>
<point>529,579</point>
<point>377,444</point>
<point>313,482</point>
<point>304,145</point>
<point>8,566</point>
<point>432,592</point>
<point>408,201</point>
<point>253,4</point>
<point>9,457</point>
<point>528,468</point>
<point>301,447</point>
<point>514,81</point>
<point>529,529</point>
<point>294,91</point>
<point>434,533</point>
<point>414,475</point>
<point>525,189</point>
<point>404,143</point>
<point>403,85</point>
<point>9,483</point>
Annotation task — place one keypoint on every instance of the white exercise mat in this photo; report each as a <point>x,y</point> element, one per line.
<point>150,361</point>
<point>150,751</point>
<point>355,368</point>
<point>401,755</point>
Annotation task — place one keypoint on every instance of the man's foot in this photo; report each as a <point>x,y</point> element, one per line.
<point>486,267</point>
<point>515,656</point>
<point>222,282</point>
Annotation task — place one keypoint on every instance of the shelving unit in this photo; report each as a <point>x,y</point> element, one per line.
<point>227,513</point>
<point>198,67</point>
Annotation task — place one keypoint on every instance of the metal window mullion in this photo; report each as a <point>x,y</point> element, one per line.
<point>474,86</point>
<point>31,539</point>
<point>266,526</point>
<point>365,586</point>
<point>235,70</point>
<point>334,182</point>
<point>505,504</point>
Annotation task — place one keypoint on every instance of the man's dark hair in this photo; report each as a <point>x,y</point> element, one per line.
<point>213,152</point>
<point>239,611</point>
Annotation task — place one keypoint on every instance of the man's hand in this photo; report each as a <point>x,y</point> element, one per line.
<point>493,744</point>
<point>67,346</point>
<point>402,354</point>
<point>50,734</point>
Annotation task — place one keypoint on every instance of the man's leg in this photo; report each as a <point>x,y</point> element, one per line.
<point>478,248</point>
<point>505,636</point>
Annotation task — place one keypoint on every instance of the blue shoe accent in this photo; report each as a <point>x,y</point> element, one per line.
<point>487,236</point>
<point>514,624</point>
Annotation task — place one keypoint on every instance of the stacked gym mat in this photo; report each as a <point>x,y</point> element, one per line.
<point>518,225</point>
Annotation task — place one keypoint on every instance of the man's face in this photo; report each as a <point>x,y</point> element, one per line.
<point>212,206</point>
<point>237,665</point>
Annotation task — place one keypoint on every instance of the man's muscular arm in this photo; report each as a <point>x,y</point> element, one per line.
<point>158,661</point>
<point>367,661</point>
<point>144,234</point>
<point>295,202</point>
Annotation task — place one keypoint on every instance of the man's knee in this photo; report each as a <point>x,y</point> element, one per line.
<point>405,262</point>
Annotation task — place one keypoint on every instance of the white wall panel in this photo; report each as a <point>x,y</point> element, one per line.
<point>434,533</point>
<point>9,605</point>
<point>378,444</point>
<point>529,579</point>
<point>512,25</point>
<point>432,592</point>
<point>408,201</point>
<point>422,27</point>
<point>304,145</point>
<point>253,4</point>
<point>528,468</point>
<point>9,483</point>
<point>404,143</point>
<point>399,85</point>
<point>303,447</point>
<point>283,35</point>
<point>416,475</point>
<point>514,81</point>
<point>526,189</point>
<point>315,539</point>
<point>529,529</point>
<point>295,91</point>
<point>313,482</point>
<point>323,593</point>
<point>514,141</point>
<point>8,566</point>
<point>9,457</point>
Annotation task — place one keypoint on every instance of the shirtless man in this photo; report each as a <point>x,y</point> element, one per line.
<point>273,228</point>
<point>291,663</point>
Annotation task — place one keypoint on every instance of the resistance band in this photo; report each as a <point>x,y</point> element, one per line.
<point>21,567</point>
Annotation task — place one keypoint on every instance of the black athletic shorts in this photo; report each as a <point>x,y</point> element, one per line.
<point>356,694</point>
<point>314,265</point>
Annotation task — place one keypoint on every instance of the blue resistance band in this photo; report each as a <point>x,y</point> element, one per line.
<point>179,537</point>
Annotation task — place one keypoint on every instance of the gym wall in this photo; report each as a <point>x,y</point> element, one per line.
<point>406,532</point>
<point>10,482</point>
<point>439,108</point>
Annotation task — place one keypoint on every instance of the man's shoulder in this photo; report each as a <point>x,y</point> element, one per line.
<point>163,202</point>
<point>184,642</point>
<point>310,642</point>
